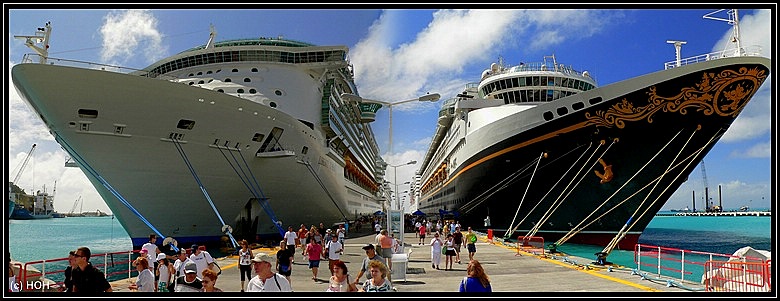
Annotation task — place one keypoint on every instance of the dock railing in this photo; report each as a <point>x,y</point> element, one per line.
<point>48,275</point>
<point>697,267</point>
<point>532,244</point>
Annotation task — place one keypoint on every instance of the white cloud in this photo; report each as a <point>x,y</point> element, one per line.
<point>126,32</point>
<point>760,150</point>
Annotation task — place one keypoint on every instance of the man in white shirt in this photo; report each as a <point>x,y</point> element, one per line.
<point>202,259</point>
<point>266,280</point>
<point>290,236</point>
<point>190,282</point>
<point>333,249</point>
<point>152,251</point>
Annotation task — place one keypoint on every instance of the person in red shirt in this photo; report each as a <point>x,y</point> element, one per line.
<point>422,233</point>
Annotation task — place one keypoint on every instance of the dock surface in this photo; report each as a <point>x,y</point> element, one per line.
<point>509,271</point>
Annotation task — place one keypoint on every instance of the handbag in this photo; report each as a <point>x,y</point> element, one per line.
<point>443,251</point>
<point>216,268</point>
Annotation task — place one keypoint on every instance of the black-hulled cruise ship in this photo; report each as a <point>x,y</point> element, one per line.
<point>541,151</point>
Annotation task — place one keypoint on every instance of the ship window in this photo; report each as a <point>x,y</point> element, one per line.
<point>235,70</point>
<point>544,81</point>
<point>548,116</point>
<point>185,124</point>
<point>514,82</point>
<point>562,111</point>
<point>220,90</point>
<point>594,100</point>
<point>192,74</point>
<point>240,91</point>
<point>246,80</point>
<point>201,82</point>
<point>85,127</point>
<point>272,104</point>
<point>536,81</point>
<point>503,84</point>
<point>577,106</point>
<point>227,80</point>
<point>258,137</point>
<point>272,142</point>
<point>208,72</point>
<point>278,92</point>
<point>218,71</point>
<point>305,150</point>
<point>200,73</point>
<point>252,91</point>
<point>119,129</point>
<point>88,113</point>
<point>192,83</point>
<point>211,80</point>
<point>558,81</point>
<point>565,82</point>
<point>521,82</point>
<point>254,69</point>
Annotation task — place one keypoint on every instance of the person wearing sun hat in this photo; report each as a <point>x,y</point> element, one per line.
<point>163,272</point>
<point>265,279</point>
<point>202,258</point>
<point>370,255</point>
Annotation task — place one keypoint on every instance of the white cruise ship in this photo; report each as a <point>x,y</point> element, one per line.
<point>240,137</point>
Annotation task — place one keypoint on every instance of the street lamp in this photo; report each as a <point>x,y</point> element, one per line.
<point>427,97</point>
<point>395,181</point>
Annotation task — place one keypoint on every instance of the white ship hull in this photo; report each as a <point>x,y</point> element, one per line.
<point>128,147</point>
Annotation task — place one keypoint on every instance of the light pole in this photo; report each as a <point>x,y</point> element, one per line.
<point>427,97</point>
<point>395,181</point>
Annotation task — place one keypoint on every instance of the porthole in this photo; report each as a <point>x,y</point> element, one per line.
<point>192,83</point>
<point>562,111</point>
<point>246,80</point>
<point>235,70</point>
<point>272,104</point>
<point>208,72</point>
<point>254,69</point>
<point>201,82</point>
<point>278,92</point>
<point>548,116</point>
<point>192,74</point>
<point>577,106</point>
<point>220,90</point>
<point>227,80</point>
<point>240,91</point>
<point>252,91</point>
<point>200,73</point>
<point>594,100</point>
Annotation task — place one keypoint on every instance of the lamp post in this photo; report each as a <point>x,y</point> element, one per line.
<point>395,181</point>
<point>427,97</point>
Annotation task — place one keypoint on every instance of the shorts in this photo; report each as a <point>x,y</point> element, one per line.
<point>457,248</point>
<point>472,248</point>
<point>387,252</point>
<point>450,252</point>
<point>314,263</point>
<point>282,271</point>
<point>422,236</point>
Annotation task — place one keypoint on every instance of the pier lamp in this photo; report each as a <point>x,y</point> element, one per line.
<point>395,181</point>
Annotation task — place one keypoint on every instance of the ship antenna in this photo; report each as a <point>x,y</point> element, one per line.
<point>677,47</point>
<point>41,37</point>
<point>212,35</point>
<point>733,20</point>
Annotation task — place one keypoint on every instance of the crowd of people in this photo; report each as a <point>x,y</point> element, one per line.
<point>193,270</point>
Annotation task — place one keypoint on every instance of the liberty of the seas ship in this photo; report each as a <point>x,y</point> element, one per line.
<point>539,151</point>
<point>250,134</point>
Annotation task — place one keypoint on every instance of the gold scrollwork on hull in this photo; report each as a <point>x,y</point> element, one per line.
<point>724,94</point>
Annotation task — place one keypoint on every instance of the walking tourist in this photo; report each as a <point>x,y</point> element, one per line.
<point>314,251</point>
<point>284,261</point>
<point>302,237</point>
<point>86,278</point>
<point>450,253</point>
<point>261,282</point>
<point>202,259</point>
<point>290,237</point>
<point>189,282</point>
<point>339,282</point>
<point>145,280</point>
<point>377,282</point>
<point>333,251</point>
<point>477,280</point>
<point>422,230</point>
<point>471,240</point>
<point>209,281</point>
<point>179,264</point>
<point>163,272</point>
<point>436,247</point>
<point>387,248</point>
<point>371,255</point>
<point>457,239</point>
<point>245,262</point>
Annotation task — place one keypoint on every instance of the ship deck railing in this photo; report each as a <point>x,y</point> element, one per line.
<point>754,50</point>
<point>31,58</point>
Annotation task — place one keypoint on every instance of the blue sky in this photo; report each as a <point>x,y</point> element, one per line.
<point>400,54</point>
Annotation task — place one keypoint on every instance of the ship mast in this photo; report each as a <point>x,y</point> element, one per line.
<point>212,35</point>
<point>733,20</point>
<point>41,37</point>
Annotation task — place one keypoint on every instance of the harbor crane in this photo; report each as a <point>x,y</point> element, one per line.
<point>74,206</point>
<point>24,164</point>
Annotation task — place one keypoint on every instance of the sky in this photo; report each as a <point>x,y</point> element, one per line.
<point>400,54</point>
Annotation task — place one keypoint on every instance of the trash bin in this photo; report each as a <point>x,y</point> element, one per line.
<point>399,266</point>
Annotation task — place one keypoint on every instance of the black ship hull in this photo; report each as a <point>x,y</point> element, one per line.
<point>653,137</point>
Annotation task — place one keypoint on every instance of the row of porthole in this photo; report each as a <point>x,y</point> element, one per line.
<point>219,70</point>
<point>227,80</point>
<point>575,106</point>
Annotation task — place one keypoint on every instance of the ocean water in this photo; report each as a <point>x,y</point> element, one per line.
<point>30,240</point>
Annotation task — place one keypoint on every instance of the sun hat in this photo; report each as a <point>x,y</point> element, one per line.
<point>160,256</point>
<point>261,257</point>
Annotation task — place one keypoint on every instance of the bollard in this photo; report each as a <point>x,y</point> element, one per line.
<point>490,235</point>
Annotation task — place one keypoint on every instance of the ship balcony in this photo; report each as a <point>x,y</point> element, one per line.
<point>368,110</point>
